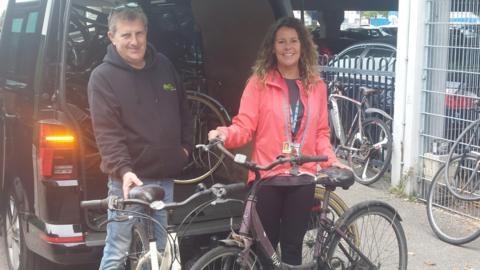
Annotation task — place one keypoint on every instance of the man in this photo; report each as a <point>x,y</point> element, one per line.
<point>141,121</point>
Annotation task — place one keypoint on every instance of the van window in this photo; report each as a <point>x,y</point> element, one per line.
<point>20,43</point>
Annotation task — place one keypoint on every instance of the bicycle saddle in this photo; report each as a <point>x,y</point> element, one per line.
<point>366,91</point>
<point>335,177</point>
<point>148,193</point>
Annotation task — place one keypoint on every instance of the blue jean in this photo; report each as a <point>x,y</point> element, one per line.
<point>119,234</point>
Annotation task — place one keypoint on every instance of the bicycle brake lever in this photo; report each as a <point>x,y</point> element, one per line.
<point>219,190</point>
<point>203,147</point>
<point>200,187</point>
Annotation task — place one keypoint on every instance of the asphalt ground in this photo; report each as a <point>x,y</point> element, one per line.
<point>424,249</point>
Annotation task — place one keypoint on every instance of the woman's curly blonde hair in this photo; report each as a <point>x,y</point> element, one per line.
<point>308,65</point>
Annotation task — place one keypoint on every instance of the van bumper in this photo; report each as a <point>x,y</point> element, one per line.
<point>64,244</point>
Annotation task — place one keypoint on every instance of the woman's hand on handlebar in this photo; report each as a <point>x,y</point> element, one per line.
<point>215,134</point>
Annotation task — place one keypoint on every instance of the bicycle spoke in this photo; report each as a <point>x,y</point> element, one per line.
<point>370,155</point>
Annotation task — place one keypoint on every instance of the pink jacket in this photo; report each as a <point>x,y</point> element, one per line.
<point>262,117</point>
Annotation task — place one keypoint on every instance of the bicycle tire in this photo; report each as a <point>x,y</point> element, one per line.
<point>370,162</point>
<point>453,220</point>
<point>207,114</point>
<point>223,257</point>
<point>468,142</point>
<point>378,225</point>
<point>337,208</point>
<point>138,246</point>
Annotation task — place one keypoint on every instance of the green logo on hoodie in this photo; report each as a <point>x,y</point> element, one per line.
<point>169,87</point>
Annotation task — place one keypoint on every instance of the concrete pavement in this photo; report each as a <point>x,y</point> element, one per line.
<point>426,251</point>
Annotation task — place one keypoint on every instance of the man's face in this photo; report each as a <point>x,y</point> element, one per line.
<point>130,40</point>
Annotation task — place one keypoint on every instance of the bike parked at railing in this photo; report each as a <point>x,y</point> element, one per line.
<point>453,202</point>
<point>368,140</point>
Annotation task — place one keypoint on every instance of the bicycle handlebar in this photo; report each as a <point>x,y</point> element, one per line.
<point>95,204</point>
<point>114,202</point>
<point>242,159</point>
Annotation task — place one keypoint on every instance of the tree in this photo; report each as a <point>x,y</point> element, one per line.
<point>374,14</point>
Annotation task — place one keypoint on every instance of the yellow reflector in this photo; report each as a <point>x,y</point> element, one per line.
<point>59,138</point>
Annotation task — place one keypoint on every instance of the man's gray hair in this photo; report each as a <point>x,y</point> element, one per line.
<point>126,14</point>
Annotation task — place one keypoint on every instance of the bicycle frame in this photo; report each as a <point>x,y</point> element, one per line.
<point>166,256</point>
<point>337,122</point>
<point>251,224</point>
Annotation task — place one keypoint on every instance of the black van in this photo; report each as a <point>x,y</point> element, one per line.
<point>48,158</point>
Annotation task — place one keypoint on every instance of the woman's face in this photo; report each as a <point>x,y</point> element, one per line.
<point>287,47</point>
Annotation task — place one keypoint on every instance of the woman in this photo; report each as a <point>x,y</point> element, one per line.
<point>284,109</point>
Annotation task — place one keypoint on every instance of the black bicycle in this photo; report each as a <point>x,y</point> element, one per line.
<point>462,168</point>
<point>367,236</point>
<point>453,220</point>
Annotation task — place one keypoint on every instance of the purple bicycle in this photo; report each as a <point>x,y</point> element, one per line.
<point>367,236</point>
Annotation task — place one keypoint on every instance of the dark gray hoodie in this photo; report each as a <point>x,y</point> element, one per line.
<point>140,117</point>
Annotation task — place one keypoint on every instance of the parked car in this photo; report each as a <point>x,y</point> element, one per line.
<point>370,64</point>
<point>389,29</point>
<point>364,33</point>
<point>48,158</point>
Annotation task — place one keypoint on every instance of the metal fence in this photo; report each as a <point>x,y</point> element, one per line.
<point>452,81</point>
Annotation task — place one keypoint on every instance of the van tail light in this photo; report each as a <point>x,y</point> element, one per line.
<point>56,152</point>
<point>62,240</point>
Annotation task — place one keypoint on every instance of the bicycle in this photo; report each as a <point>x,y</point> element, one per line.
<point>453,220</point>
<point>143,240</point>
<point>336,208</point>
<point>207,113</point>
<point>462,185</point>
<point>337,246</point>
<point>368,141</point>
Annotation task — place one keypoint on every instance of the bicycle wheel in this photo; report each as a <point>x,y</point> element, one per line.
<point>138,247</point>
<point>207,115</point>
<point>225,258</point>
<point>453,220</point>
<point>370,151</point>
<point>381,239</point>
<point>459,180</point>
<point>336,207</point>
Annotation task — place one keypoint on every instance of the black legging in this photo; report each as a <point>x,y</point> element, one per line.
<point>284,212</point>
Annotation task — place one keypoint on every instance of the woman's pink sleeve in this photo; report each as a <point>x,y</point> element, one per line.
<point>245,122</point>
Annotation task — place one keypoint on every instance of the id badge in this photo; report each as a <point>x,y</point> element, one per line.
<point>296,148</point>
<point>286,148</point>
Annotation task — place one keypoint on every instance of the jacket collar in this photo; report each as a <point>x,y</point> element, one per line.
<point>275,80</point>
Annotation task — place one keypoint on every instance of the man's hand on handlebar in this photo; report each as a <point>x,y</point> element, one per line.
<point>130,180</point>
